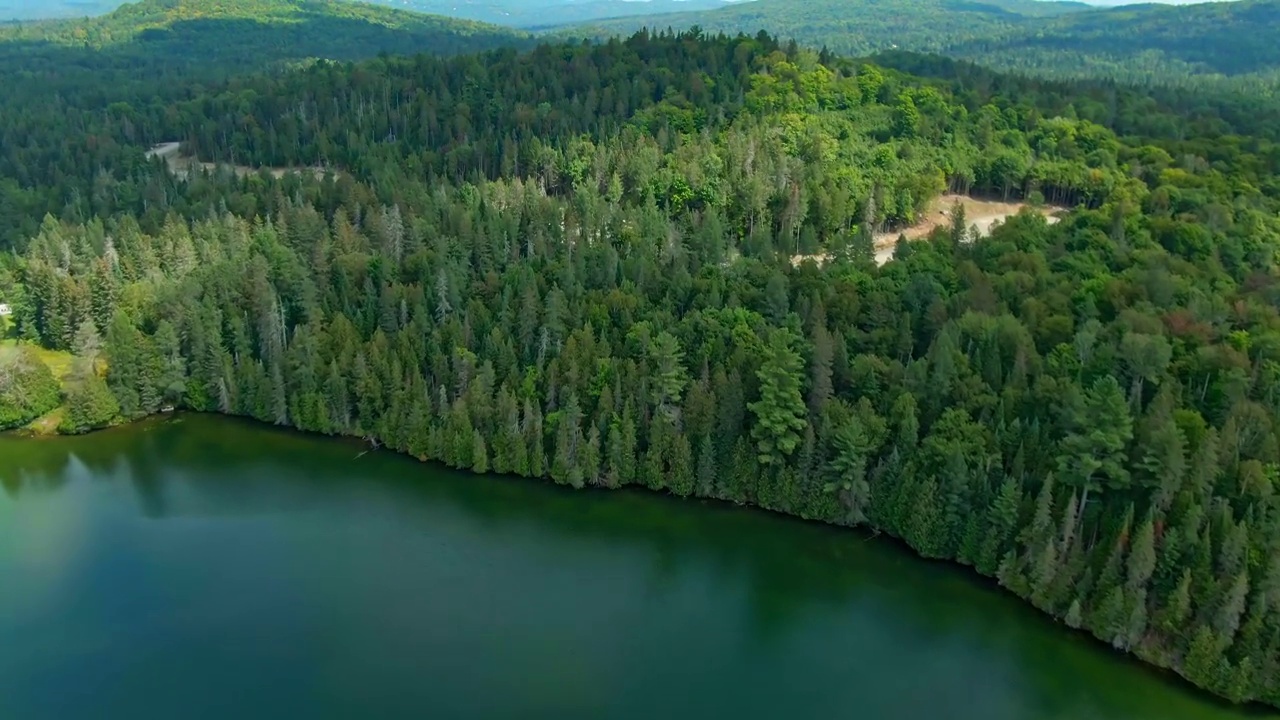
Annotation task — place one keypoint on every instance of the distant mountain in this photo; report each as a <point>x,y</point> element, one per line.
<point>545,13</point>
<point>1119,3</point>
<point>230,35</point>
<point>859,27</point>
<point>54,9</point>
<point>122,80</point>
<point>1145,43</point>
<point>515,13</point>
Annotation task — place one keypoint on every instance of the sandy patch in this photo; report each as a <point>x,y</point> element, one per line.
<point>980,215</point>
<point>181,165</point>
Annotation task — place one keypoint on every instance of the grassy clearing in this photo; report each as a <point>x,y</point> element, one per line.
<point>60,364</point>
<point>47,424</point>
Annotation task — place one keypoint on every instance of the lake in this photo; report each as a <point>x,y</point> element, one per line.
<point>202,567</point>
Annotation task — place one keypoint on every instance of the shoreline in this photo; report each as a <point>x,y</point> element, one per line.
<point>863,533</point>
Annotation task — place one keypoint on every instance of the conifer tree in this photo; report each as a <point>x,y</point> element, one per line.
<point>780,411</point>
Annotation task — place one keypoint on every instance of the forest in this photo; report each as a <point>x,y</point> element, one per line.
<point>1206,45</point>
<point>580,262</point>
<point>81,98</point>
<point>1209,44</point>
<point>512,13</point>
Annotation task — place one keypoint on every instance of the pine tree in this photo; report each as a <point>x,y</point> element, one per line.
<point>1177,610</point>
<point>89,405</point>
<point>706,485</point>
<point>1110,618</point>
<point>479,453</point>
<point>681,467</point>
<point>1227,617</point>
<point>780,411</point>
<point>1137,624</point>
<point>1204,664</point>
<point>1093,450</point>
<point>847,469</point>
<point>925,528</point>
<point>669,377</point>
<point>626,456</point>
<point>1074,616</point>
<point>614,462</point>
<point>820,368</point>
<point>590,461</point>
<point>1142,558</point>
<point>1010,575</point>
<point>87,347</point>
<point>959,224</point>
<point>1044,565</point>
<point>1002,518</point>
<point>1239,681</point>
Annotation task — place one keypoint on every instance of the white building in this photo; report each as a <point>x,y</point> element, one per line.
<point>5,310</point>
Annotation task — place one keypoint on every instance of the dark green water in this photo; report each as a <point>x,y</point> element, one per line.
<point>207,568</point>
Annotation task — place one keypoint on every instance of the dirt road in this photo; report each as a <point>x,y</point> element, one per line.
<point>980,215</point>
<point>181,165</point>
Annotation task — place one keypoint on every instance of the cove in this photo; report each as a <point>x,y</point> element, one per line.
<point>203,567</point>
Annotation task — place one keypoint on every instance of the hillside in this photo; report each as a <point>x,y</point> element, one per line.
<point>27,10</point>
<point>242,33</point>
<point>514,13</point>
<point>857,27</point>
<point>576,264</point>
<point>1145,43</point>
<point>112,78</point>
<point>543,13</point>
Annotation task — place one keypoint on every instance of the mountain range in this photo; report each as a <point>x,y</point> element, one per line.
<point>233,35</point>
<point>1149,43</point>
<point>1141,43</point>
<point>514,13</point>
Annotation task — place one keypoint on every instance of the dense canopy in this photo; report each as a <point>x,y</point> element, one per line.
<point>1201,44</point>
<point>649,262</point>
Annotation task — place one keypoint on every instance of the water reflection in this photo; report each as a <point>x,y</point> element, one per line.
<point>504,597</point>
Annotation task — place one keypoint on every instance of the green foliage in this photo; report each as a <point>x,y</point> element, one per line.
<point>89,96</point>
<point>517,13</point>
<point>1100,428</point>
<point>247,33</point>
<point>780,411</point>
<point>27,386</point>
<point>580,264</point>
<point>90,405</point>
<point>1148,43</point>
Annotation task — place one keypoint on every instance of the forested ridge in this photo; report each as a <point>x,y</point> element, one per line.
<point>25,11</point>
<point>514,13</point>
<point>1222,45</point>
<point>84,99</point>
<point>1148,43</point>
<point>155,21</point>
<point>576,264</point>
<point>853,27</point>
<point>1209,44</point>
<point>543,13</point>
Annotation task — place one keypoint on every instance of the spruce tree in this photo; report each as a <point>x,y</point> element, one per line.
<point>780,411</point>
